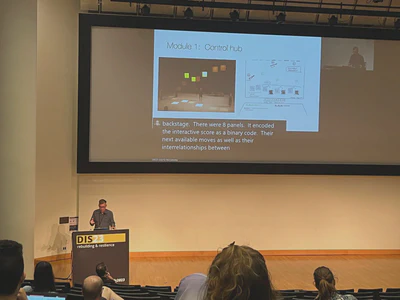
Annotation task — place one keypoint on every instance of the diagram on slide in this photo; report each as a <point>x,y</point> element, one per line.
<point>272,79</point>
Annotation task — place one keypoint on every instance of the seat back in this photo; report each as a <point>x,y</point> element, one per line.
<point>158,288</point>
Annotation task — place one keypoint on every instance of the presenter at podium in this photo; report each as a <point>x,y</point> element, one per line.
<point>102,218</point>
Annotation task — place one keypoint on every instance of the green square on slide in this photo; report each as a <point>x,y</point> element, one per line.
<point>186,75</point>
<point>193,79</point>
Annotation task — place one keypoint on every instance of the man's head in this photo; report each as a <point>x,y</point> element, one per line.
<point>102,205</point>
<point>355,50</point>
<point>11,267</point>
<point>101,269</point>
<point>92,288</point>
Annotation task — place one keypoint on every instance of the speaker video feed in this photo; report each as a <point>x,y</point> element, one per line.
<point>347,54</point>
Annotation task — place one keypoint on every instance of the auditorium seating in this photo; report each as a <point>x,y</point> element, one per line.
<point>148,292</point>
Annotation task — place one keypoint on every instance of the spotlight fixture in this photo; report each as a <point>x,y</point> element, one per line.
<point>145,10</point>
<point>234,15</point>
<point>333,20</point>
<point>397,23</point>
<point>188,13</point>
<point>377,1</point>
<point>281,18</point>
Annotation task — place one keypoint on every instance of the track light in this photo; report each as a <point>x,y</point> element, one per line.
<point>145,10</point>
<point>333,20</point>
<point>397,24</point>
<point>188,13</point>
<point>234,15</point>
<point>281,18</point>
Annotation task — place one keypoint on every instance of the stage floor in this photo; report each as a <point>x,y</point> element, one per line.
<point>287,272</point>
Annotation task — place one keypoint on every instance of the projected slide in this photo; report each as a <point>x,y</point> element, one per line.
<point>224,76</point>
<point>181,96</point>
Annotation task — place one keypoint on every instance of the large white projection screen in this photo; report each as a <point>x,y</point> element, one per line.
<point>181,96</point>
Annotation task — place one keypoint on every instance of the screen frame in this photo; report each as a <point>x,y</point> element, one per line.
<point>85,166</point>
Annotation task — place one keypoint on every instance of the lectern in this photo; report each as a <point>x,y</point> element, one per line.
<point>92,247</point>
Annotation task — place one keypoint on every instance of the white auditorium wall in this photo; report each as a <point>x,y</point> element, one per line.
<point>268,212</point>
<point>57,90</point>
<point>18,32</point>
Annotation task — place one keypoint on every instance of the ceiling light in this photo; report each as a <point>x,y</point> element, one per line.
<point>234,15</point>
<point>281,18</point>
<point>397,23</point>
<point>188,13</point>
<point>145,10</point>
<point>333,20</point>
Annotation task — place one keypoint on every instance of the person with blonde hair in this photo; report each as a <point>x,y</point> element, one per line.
<point>325,283</point>
<point>239,273</point>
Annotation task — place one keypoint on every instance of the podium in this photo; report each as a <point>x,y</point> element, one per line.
<point>92,247</point>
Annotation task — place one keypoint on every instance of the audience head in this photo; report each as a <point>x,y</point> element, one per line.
<point>101,269</point>
<point>240,273</point>
<point>325,283</point>
<point>102,205</point>
<point>92,288</point>
<point>355,50</point>
<point>44,278</point>
<point>11,267</point>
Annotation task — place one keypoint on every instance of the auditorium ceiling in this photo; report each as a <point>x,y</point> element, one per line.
<point>365,13</point>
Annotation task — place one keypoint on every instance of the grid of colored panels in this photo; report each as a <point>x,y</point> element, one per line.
<point>204,74</point>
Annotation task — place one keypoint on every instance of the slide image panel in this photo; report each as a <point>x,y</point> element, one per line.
<point>196,85</point>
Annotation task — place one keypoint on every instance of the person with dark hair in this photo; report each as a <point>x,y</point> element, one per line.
<point>11,271</point>
<point>102,272</point>
<point>356,60</point>
<point>240,273</point>
<point>102,218</point>
<point>325,284</point>
<point>43,279</point>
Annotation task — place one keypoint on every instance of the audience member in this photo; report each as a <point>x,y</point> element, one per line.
<point>43,279</point>
<point>325,284</point>
<point>11,271</point>
<point>240,273</point>
<point>192,287</point>
<point>102,272</point>
<point>93,289</point>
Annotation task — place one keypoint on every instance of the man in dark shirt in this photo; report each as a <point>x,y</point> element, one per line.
<point>356,60</point>
<point>102,272</point>
<point>102,218</point>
